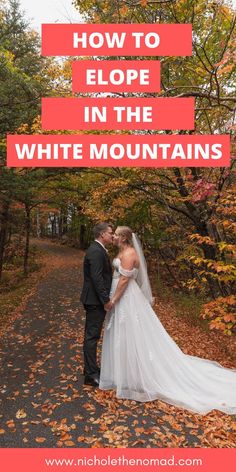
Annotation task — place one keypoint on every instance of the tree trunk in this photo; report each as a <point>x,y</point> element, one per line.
<point>82,236</point>
<point>3,233</point>
<point>27,238</point>
<point>53,222</point>
<point>60,224</point>
<point>38,225</point>
<point>199,217</point>
<point>210,253</point>
<point>175,279</point>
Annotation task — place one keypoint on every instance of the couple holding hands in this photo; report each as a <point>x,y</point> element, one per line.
<point>139,359</point>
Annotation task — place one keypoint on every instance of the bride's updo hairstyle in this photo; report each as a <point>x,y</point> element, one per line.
<point>126,233</point>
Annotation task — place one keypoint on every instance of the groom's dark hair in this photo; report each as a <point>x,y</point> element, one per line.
<point>100,228</point>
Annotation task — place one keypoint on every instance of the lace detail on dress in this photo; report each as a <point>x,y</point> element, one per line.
<point>143,363</point>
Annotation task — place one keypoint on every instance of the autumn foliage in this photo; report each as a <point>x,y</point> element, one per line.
<point>185,217</point>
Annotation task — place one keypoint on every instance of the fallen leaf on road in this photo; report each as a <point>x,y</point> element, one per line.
<point>69,443</point>
<point>20,414</point>
<point>40,440</point>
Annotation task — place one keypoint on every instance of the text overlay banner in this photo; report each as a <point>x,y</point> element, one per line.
<point>117,39</point>
<point>118,151</point>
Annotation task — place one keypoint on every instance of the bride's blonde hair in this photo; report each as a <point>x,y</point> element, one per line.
<point>126,232</point>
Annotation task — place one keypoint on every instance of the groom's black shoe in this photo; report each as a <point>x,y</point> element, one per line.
<point>93,381</point>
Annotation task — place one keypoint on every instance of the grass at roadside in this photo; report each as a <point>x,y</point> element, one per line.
<point>15,288</point>
<point>186,305</point>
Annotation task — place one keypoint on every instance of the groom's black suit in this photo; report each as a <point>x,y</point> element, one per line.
<point>95,294</point>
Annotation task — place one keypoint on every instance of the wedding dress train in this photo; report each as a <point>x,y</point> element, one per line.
<point>143,363</point>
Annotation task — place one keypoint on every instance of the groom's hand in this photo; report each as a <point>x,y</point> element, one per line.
<point>108,306</point>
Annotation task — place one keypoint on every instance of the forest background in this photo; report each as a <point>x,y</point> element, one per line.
<point>184,217</point>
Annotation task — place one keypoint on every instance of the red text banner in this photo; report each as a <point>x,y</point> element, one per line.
<point>116,76</point>
<point>118,114</point>
<point>117,39</point>
<point>122,460</point>
<point>118,150</point>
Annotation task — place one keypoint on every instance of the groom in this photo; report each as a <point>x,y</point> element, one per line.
<point>95,297</point>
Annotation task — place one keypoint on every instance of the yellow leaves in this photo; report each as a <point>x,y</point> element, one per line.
<point>198,260</point>
<point>124,10</point>
<point>217,324</point>
<point>229,225</point>
<point>20,414</point>
<point>221,313</point>
<point>23,128</point>
<point>223,246</point>
<point>202,239</point>
<point>225,11</point>
<point>2,431</point>
<point>36,127</point>
<point>216,269</point>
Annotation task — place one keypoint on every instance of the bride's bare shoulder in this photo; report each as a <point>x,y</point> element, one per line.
<point>129,258</point>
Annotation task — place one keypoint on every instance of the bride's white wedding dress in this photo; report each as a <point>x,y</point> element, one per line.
<point>142,362</point>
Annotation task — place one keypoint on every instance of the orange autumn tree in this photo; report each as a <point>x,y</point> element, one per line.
<point>184,215</point>
<point>191,236</point>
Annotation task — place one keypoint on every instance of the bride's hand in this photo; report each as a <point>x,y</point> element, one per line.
<point>108,306</point>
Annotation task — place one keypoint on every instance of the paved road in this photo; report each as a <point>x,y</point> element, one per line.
<point>43,400</point>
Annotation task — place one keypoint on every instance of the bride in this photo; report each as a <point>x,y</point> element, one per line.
<point>139,359</point>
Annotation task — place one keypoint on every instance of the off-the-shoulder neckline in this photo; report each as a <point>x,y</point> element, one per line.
<point>118,259</point>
